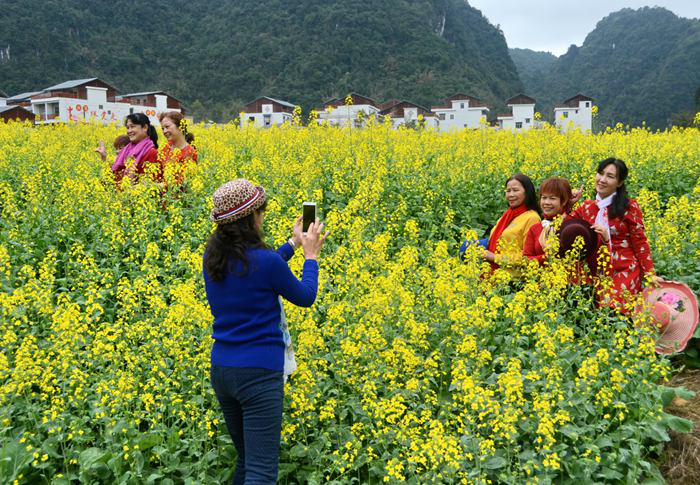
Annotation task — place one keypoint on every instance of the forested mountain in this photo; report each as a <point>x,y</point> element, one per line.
<point>217,54</point>
<point>532,66</point>
<point>638,65</point>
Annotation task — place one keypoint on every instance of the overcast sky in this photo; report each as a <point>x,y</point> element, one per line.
<point>553,25</point>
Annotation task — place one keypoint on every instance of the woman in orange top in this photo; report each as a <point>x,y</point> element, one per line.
<point>179,148</point>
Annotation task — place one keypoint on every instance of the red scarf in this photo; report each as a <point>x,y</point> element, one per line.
<point>504,222</point>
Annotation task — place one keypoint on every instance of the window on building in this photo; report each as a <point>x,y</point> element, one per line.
<point>131,111</point>
<point>441,116</point>
<point>576,111</point>
<point>251,119</point>
<point>518,124</point>
<point>527,121</point>
<point>588,104</point>
<point>101,107</point>
<point>452,117</point>
<point>461,105</point>
<point>565,114</point>
<point>465,125</point>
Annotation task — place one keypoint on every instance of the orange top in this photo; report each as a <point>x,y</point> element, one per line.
<point>170,154</point>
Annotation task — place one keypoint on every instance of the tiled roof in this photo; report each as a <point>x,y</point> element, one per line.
<point>70,84</point>
<point>521,99</point>
<point>22,96</point>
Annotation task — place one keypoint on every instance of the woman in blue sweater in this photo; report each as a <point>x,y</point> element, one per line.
<point>243,279</point>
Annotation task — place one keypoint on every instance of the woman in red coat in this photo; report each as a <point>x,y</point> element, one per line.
<point>619,223</point>
<point>556,199</point>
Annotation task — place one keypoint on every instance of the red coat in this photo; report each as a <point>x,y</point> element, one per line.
<point>630,253</point>
<point>138,168</point>
<point>532,248</point>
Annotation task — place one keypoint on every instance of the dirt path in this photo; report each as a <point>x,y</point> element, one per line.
<point>682,454</point>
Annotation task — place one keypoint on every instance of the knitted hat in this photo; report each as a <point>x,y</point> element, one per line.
<point>674,309</point>
<point>236,199</point>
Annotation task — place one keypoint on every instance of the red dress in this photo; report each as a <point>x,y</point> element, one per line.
<point>630,253</point>
<point>170,154</point>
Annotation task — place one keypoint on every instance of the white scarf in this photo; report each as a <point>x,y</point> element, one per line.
<point>290,363</point>
<point>602,217</point>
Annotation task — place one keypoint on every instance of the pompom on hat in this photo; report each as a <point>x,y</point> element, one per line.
<point>674,309</point>
<point>235,200</point>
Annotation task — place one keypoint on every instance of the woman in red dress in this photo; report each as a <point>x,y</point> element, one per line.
<point>556,199</point>
<point>619,223</point>
<point>179,149</point>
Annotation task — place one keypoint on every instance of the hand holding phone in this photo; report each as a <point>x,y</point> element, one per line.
<point>313,240</point>
<point>309,215</point>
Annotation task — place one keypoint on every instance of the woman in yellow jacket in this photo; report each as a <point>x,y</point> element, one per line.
<point>505,246</point>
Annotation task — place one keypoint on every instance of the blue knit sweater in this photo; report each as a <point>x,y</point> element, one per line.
<point>246,308</point>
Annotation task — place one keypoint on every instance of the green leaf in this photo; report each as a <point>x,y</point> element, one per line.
<point>611,474</point>
<point>684,393</point>
<point>604,442</point>
<point>93,456</point>
<point>569,432</point>
<point>298,451</point>
<point>153,478</point>
<point>667,395</point>
<point>526,455</point>
<point>679,425</point>
<point>150,440</point>
<point>657,432</point>
<point>494,463</point>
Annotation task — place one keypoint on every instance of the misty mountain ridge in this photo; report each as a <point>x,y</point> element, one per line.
<point>639,65</point>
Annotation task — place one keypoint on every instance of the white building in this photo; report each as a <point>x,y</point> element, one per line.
<point>575,113</point>
<point>337,113</point>
<point>151,103</point>
<point>521,116</point>
<point>459,112</point>
<point>3,98</point>
<point>266,112</point>
<point>93,100</point>
<point>405,113</point>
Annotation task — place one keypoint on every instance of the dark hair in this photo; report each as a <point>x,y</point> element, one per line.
<point>558,187</point>
<point>228,244</point>
<point>530,194</point>
<point>178,118</point>
<point>120,142</point>
<point>621,200</point>
<point>143,120</point>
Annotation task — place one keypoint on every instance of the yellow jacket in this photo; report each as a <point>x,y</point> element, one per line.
<point>510,245</point>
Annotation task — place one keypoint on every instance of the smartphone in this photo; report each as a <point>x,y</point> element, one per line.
<point>309,213</point>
